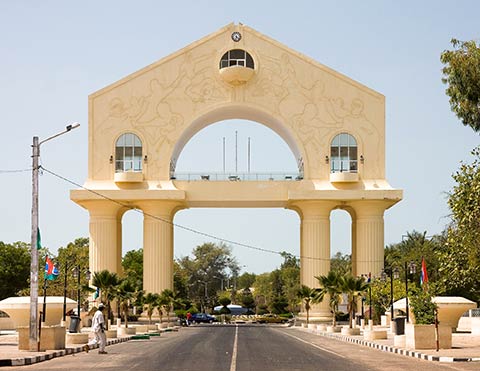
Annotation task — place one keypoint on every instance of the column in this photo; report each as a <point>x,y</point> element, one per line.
<point>103,249</point>
<point>315,249</point>
<point>158,245</point>
<point>369,236</point>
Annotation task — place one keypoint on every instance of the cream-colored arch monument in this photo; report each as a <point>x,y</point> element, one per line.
<point>334,126</point>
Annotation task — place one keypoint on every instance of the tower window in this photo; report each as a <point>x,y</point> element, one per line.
<point>236,57</point>
<point>343,154</point>
<point>128,153</point>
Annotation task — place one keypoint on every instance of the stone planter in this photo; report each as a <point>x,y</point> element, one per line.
<point>123,331</point>
<point>141,329</point>
<point>111,334</point>
<point>423,337</point>
<point>52,337</point>
<point>334,329</point>
<point>374,334</point>
<point>321,328</point>
<point>77,338</point>
<point>350,331</point>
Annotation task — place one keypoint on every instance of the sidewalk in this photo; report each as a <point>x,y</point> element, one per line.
<point>10,355</point>
<point>465,347</point>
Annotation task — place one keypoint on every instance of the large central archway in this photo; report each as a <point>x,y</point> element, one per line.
<point>333,125</point>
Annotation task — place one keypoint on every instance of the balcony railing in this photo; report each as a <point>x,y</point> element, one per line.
<point>235,177</point>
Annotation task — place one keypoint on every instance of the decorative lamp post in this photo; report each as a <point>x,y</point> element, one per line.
<point>77,275</point>
<point>65,293</point>
<point>412,269</point>
<point>393,272</point>
<point>33,338</point>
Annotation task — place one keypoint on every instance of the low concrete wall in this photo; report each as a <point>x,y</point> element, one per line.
<point>77,338</point>
<point>374,334</point>
<point>52,337</point>
<point>122,331</point>
<point>6,323</point>
<point>350,331</point>
<point>111,334</point>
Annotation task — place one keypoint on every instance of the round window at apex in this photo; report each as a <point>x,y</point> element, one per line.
<point>237,57</point>
<point>128,153</point>
<point>344,154</point>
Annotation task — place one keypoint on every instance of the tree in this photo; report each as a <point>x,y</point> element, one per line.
<point>309,296</point>
<point>341,264</point>
<point>353,287</point>
<point>246,280</point>
<point>15,272</point>
<point>459,256</point>
<point>210,263</point>
<point>107,282</point>
<point>331,286</point>
<point>151,301</point>
<point>132,264</point>
<point>125,294</point>
<point>224,301</point>
<point>462,76</point>
<point>413,247</point>
<point>167,299</point>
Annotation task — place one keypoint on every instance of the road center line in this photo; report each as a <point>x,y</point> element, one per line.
<point>313,345</point>
<point>233,365</point>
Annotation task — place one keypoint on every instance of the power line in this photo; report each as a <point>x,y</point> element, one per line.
<point>2,171</point>
<point>189,229</point>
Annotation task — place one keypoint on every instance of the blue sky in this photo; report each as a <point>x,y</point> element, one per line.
<point>55,53</point>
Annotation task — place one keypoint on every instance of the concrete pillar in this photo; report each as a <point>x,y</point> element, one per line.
<point>369,237</point>
<point>315,248</point>
<point>158,245</point>
<point>103,249</point>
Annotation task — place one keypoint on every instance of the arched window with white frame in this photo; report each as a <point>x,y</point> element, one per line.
<point>344,154</point>
<point>128,153</point>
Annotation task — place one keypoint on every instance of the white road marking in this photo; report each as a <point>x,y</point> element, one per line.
<point>313,345</point>
<point>233,365</point>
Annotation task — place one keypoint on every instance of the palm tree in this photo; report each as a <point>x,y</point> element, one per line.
<point>310,296</point>
<point>107,283</point>
<point>331,286</point>
<point>125,293</point>
<point>151,300</point>
<point>353,287</point>
<point>167,299</point>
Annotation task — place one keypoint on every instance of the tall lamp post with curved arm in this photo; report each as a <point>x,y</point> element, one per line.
<point>393,272</point>
<point>33,341</point>
<point>412,269</point>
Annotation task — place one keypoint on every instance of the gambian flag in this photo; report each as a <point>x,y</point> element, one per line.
<point>51,271</point>
<point>423,273</point>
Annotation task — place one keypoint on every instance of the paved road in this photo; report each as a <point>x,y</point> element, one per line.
<point>232,348</point>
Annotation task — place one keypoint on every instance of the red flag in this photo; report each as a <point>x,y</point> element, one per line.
<point>423,274</point>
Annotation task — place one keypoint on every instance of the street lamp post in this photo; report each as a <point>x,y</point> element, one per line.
<point>411,268</point>
<point>77,275</point>
<point>33,324</point>
<point>65,292</point>
<point>393,272</point>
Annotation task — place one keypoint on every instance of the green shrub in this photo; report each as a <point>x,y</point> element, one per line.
<point>423,307</point>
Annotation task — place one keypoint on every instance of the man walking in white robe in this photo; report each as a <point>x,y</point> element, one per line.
<point>98,327</point>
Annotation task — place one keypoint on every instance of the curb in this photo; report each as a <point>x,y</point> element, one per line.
<point>401,351</point>
<point>59,353</point>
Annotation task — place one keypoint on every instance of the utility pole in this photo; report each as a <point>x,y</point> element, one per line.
<point>33,330</point>
<point>33,337</point>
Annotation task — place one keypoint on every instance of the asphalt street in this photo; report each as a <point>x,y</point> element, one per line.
<point>239,348</point>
